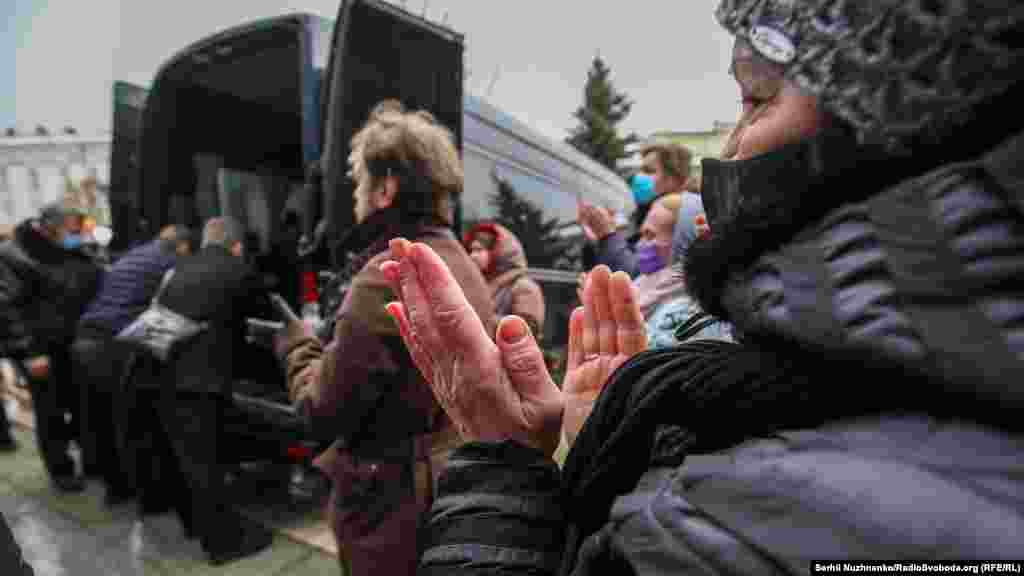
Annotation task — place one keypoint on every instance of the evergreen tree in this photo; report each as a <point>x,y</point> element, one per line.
<point>543,245</point>
<point>597,132</point>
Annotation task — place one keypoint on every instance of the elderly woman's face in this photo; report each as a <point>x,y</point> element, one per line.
<point>775,112</point>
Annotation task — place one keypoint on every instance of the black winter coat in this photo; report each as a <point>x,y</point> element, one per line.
<point>872,412</point>
<point>44,289</point>
<point>216,287</point>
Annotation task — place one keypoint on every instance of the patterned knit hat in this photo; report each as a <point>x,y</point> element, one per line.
<point>898,71</point>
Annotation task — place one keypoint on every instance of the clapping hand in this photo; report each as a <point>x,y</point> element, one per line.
<point>500,389</point>
<point>492,391</point>
<point>596,221</point>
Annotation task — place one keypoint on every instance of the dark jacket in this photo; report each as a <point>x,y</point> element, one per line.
<point>364,389</point>
<point>43,291</point>
<point>871,412</point>
<point>128,287</point>
<point>216,287</point>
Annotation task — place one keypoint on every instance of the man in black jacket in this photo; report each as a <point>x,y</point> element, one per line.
<point>215,286</point>
<point>45,283</point>
<point>867,243</point>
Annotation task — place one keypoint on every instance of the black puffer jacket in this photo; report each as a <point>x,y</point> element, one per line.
<point>128,287</point>
<point>876,274</point>
<point>868,416</point>
<point>44,290</point>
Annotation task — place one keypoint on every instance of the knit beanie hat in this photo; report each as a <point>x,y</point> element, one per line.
<point>897,71</point>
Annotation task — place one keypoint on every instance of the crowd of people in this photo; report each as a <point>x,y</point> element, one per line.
<point>144,441</point>
<point>812,350</point>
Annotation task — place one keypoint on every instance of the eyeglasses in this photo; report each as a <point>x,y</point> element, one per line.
<point>759,78</point>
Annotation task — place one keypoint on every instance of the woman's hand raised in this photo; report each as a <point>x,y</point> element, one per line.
<point>603,333</point>
<point>496,391</point>
<point>491,391</point>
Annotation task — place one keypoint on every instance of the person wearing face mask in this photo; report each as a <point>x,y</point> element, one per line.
<point>46,281</point>
<point>665,170</point>
<point>867,242</point>
<point>661,286</point>
<point>657,283</point>
<point>359,386</point>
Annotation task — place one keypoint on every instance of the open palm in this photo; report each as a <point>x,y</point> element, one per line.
<point>501,389</point>
<point>605,332</point>
<point>491,390</point>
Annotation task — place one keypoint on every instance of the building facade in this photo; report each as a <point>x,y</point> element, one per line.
<point>37,170</point>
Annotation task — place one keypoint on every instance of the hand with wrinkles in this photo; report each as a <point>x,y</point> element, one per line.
<point>501,390</point>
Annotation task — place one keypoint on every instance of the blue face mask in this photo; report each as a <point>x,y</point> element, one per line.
<point>643,189</point>
<point>72,241</point>
<point>648,260</point>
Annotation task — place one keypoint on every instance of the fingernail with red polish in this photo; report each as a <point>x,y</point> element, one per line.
<point>513,332</point>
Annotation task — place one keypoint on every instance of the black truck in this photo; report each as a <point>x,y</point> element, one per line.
<point>255,121</point>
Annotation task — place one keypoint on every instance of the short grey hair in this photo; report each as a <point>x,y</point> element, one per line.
<point>222,231</point>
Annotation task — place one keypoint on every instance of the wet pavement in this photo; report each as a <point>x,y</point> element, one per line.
<point>74,534</point>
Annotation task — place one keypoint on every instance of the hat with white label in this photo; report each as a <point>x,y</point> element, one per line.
<point>897,71</point>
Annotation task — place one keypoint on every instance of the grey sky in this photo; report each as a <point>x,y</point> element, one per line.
<point>670,56</point>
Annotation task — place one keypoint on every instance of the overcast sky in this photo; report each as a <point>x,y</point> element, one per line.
<point>60,57</point>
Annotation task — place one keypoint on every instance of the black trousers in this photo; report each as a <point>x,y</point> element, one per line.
<point>193,424</point>
<point>55,404</point>
<point>161,484</point>
<point>105,407</point>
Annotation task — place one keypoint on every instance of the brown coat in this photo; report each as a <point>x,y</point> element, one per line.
<point>393,436</point>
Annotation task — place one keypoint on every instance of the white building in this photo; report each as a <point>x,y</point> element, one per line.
<point>35,170</point>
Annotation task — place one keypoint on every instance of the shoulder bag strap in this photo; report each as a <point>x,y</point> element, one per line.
<point>163,285</point>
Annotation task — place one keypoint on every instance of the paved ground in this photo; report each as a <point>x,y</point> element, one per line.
<point>75,535</point>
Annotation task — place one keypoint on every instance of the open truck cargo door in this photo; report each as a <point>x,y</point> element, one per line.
<point>228,129</point>
<point>380,51</point>
<point>229,114</point>
<point>125,186</point>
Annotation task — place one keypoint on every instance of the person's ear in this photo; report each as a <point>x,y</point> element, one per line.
<point>236,249</point>
<point>387,192</point>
